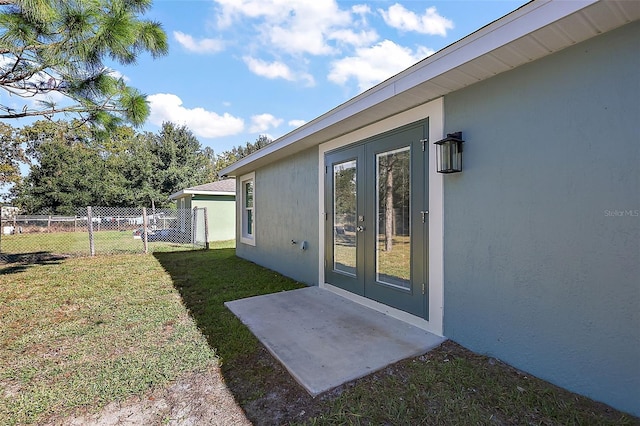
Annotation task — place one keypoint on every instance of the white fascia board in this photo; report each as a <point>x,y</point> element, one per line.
<point>176,195</point>
<point>184,192</point>
<point>521,22</point>
<point>187,191</point>
<point>517,24</point>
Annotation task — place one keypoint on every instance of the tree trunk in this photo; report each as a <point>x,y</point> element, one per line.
<point>388,213</point>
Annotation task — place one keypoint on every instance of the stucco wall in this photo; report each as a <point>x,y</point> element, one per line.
<point>542,229</point>
<point>286,208</point>
<point>187,202</point>
<point>221,215</point>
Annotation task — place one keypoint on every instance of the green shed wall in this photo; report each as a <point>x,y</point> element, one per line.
<point>221,214</point>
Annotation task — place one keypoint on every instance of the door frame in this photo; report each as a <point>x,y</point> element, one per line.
<point>433,110</point>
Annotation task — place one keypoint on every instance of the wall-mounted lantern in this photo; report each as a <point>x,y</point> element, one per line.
<point>449,153</point>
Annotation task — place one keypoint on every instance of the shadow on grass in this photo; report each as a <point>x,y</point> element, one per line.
<point>14,263</point>
<point>206,279</point>
<point>448,385</point>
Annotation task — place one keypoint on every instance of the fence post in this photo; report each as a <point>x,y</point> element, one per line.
<point>206,230</point>
<point>145,242</point>
<point>194,227</point>
<point>92,247</point>
<point>49,224</point>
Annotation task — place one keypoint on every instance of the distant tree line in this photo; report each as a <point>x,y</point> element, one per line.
<point>69,167</point>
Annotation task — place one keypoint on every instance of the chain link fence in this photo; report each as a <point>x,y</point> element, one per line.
<point>103,230</point>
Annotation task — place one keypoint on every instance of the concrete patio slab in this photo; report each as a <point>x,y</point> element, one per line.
<point>325,340</point>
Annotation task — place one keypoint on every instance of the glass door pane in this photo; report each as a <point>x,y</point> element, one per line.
<point>345,217</point>
<point>393,209</point>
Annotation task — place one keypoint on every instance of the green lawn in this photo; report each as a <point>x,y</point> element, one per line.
<point>79,333</point>
<point>87,331</point>
<point>77,243</point>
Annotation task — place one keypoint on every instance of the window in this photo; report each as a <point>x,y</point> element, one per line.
<point>248,213</point>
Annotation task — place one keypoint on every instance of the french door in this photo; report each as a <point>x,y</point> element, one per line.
<point>376,228</point>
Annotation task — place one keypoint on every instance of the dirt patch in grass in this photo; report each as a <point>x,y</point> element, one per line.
<point>194,399</point>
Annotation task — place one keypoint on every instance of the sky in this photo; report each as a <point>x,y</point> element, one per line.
<point>238,69</point>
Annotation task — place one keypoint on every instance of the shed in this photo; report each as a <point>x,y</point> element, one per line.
<point>219,198</point>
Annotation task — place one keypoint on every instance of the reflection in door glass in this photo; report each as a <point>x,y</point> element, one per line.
<point>393,245</point>
<point>344,217</point>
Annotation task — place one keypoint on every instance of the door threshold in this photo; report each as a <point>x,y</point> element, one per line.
<point>385,309</point>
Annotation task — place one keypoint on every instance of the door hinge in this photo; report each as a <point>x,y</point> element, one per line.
<point>424,144</point>
<point>325,215</point>
<point>326,169</point>
<point>423,288</point>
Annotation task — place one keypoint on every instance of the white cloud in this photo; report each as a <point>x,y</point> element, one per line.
<point>263,122</point>
<point>374,64</point>
<point>405,20</point>
<point>118,74</point>
<point>276,69</point>
<point>361,9</point>
<point>207,124</point>
<point>293,26</point>
<point>18,99</point>
<point>269,70</point>
<point>348,36</point>
<point>293,30</point>
<point>296,123</point>
<point>205,45</point>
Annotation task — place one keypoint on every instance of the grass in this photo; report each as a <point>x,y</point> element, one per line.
<point>78,333</point>
<point>84,332</point>
<point>394,263</point>
<point>454,386</point>
<point>77,243</point>
<point>207,279</point>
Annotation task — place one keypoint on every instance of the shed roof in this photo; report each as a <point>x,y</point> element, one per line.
<point>221,187</point>
<point>535,30</point>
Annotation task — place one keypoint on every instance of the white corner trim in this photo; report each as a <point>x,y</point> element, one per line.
<point>436,223</point>
<point>433,110</point>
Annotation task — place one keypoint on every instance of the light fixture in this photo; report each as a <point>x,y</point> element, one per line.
<point>449,153</point>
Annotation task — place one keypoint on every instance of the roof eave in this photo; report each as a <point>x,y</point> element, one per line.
<point>184,192</point>
<point>453,63</point>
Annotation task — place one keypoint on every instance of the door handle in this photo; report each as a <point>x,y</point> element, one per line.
<point>360,228</point>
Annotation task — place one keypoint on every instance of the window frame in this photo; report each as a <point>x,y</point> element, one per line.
<point>245,236</point>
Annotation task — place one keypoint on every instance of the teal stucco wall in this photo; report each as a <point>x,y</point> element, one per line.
<point>286,208</point>
<point>542,228</point>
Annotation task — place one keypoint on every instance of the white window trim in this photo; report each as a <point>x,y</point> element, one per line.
<point>244,238</point>
<point>434,110</point>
